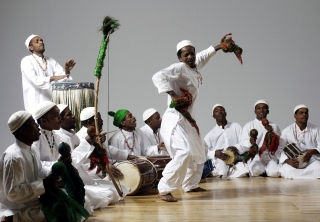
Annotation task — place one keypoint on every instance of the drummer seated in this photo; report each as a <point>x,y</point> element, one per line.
<point>152,120</point>
<point>306,136</point>
<point>128,138</point>
<point>224,135</point>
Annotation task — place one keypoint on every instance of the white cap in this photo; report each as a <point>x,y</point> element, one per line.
<point>29,39</point>
<point>184,43</point>
<point>260,101</point>
<point>17,119</point>
<point>42,108</point>
<point>215,107</point>
<point>62,107</point>
<point>86,113</point>
<point>149,112</point>
<point>299,107</point>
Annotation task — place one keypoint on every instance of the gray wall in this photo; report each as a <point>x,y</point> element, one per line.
<point>279,38</point>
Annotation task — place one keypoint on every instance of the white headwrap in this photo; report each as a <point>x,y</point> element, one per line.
<point>62,107</point>
<point>184,43</point>
<point>149,112</point>
<point>215,107</point>
<point>29,39</point>
<point>42,108</point>
<point>17,119</point>
<point>299,107</point>
<point>260,101</point>
<point>86,113</point>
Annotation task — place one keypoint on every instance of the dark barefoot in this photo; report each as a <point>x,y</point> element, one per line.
<point>168,197</point>
<point>198,189</point>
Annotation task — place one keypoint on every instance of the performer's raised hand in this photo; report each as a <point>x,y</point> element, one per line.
<point>253,140</point>
<point>161,146</point>
<point>292,162</point>
<point>69,65</point>
<point>268,128</point>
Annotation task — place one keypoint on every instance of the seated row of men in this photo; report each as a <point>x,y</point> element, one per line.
<point>305,135</point>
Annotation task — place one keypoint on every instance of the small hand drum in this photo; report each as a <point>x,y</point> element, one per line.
<point>293,151</point>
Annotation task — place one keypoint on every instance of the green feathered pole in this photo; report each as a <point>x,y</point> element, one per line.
<point>109,25</point>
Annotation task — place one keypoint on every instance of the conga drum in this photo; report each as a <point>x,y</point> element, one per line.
<point>139,175</point>
<point>159,163</point>
<point>76,95</point>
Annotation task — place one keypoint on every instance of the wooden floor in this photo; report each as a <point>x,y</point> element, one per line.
<point>241,199</point>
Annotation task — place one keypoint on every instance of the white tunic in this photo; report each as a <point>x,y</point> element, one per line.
<point>68,137</point>
<point>221,138</point>
<point>308,138</point>
<point>20,185</point>
<point>36,83</point>
<point>266,163</point>
<point>182,141</point>
<point>154,140</point>
<point>141,143</point>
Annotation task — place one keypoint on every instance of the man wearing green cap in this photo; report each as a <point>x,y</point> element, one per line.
<point>128,138</point>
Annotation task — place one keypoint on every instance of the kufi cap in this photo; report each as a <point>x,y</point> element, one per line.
<point>299,107</point>
<point>149,112</point>
<point>42,108</point>
<point>260,101</point>
<point>86,113</point>
<point>118,116</point>
<point>62,107</point>
<point>29,39</point>
<point>215,107</point>
<point>17,119</point>
<point>184,43</point>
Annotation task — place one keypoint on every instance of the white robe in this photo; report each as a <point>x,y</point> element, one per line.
<point>20,183</point>
<point>267,163</point>
<point>182,141</point>
<point>36,83</point>
<point>311,138</point>
<point>69,137</point>
<point>141,145</point>
<point>219,138</point>
<point>154,140</point>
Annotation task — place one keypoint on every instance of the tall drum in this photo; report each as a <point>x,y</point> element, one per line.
<point>76,95</point>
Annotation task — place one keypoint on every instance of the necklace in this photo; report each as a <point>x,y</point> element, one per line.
<point>125,139</point>
<point>155,136</point>
<point>296,135</point>
<point>40,64</point>
<point>199,75</point>
<point>52,139</point>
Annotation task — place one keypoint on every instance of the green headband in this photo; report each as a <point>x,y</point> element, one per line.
<point>118,116</point>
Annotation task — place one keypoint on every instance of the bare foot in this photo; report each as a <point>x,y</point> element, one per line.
<point>198,189</point>
<point>168,197</point>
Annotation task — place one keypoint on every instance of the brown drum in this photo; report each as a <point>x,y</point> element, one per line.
<point>139,175</point>
<point>159,163</point>
<point>292,151</point>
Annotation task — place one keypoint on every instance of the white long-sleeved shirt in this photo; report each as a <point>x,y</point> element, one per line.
<point>20,183</point>
<point>309,138</point>
<point>36,83</point>
<point>154,140</point>
<point>219,138</point>
<point>70,138</point>
<point>141,144</point>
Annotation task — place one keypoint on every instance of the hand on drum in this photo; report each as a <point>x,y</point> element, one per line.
<point>292,162</point>
<point>233,149</point>
<point>131,157</point>
<point>161,146</point>
<point>69,65</point>
<point>115,171</point>
<point>308,154</point>
<point>220,155</point>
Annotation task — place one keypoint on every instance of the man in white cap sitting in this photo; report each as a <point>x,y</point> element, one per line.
<point>39,72</point>
<point>152,120</point>
<point>306,136</point>
<point>179,131</point>
<point>223,136</point>
<point>266,164</point>
<point>21,173</point>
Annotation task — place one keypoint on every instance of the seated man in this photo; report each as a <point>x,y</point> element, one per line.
<point>152,120</point>
<point>307,137</point>
<point>128,138</point>
<point>266,163</point>
<point>224,135</point>
<point>20,173</point>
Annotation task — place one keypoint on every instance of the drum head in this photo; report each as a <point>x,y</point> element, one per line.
<point>301,163</point>
<point>231,158</point>
<point>131,176</point>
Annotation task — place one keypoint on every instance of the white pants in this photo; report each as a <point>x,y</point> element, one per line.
<point>311,171</point>
<point>264,164</point>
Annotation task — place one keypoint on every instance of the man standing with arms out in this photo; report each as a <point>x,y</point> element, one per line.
<point>266,163</point>
<point>39,72</point>
<point>20,173</point>
<point>152,120</point>
<point>179,130</point>
<point>307,137</point>
<point>223,136</point>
